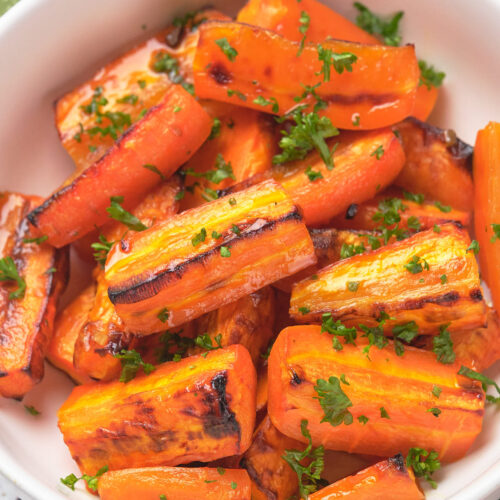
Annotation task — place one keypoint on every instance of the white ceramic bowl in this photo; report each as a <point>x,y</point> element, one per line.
<point>47,46</point>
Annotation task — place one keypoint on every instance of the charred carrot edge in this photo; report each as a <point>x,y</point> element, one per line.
<point>67,327</point>
<point>282,16</point>
<point>357,176</point>
<point>271,476</point>
<point>303,354</point>
<point>248,322</point>
<point>389,478</point>
<point>261,400</point>
<point>487,205</point>
<point>179,483</point>
<point>427,213</point>
<point>203,408</point>
<point>421,296</point>
<point>26,322</point>
<point>438,164</point>
<point>75,209</point>
<point>379,94</point>
<point>129,84</point>
<point>211,255</point>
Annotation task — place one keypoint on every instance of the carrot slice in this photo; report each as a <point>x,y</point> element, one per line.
<point>210,256</point>
<point>393,393</point>
<point>389,477</point>
<point>425,102</point>
<point>166,137</point>
<point>487,205</point>
<point>200,408</point>
<point>407,292</point>
<point>373,95</point>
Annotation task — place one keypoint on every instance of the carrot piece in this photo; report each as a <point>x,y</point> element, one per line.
<point>129,85</point>
<point>389,477</point>
<point>26,319</point>
<point>261,400</point>
<point>282,16</point>
<point>243,138</point>
<point>438,164</point>
<point>197,409</point>
<point>487,206</point>
<point>163,138</point>
<point>412,293</point>
<point>176,483</point>
<point>303,354</point>
<point>425,102</point>
<point>248,322</point>
<point>427,214</point>
<point>210,256</point>
<point>271,476</point>
<point>378,94</point>
<point>67,326</point>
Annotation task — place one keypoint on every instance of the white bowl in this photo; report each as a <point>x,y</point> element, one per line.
<point>47,46</point>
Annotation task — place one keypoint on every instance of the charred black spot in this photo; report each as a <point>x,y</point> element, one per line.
<point>296,380</point>
<point>221,423</point>
<point>160,440</point>
<point>268,71</point>
<point>3,374</point>
<point>398,461</point>
<point>446,298</point>
<point>351,211</point>
<point>27,369</point>
<point>118,340</point>
<point>124,246</point>
<point>258,478</point>
<point>220,74</point>
<point>175,36</point>
<point>348,100</point>
<point>476,295</point>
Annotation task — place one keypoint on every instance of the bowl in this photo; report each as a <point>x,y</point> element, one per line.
<point>48,46</point>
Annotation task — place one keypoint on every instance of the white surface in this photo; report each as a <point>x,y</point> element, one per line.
<point>46,46</point>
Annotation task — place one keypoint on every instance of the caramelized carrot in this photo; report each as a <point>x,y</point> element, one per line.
<point>271,476</point>
<point>261,400</point>
<point>176,483</point>
<point>387,479</point>
<point>166,137</point>
<point>26,317</point>
<point>200,408</point>
<point>425,102</point>
<point>487,206</point>
<point>438,164</point>
<point>379,94</point>
<point>386,280</point>
<point>393,393</point>
<point>67,327</point>
<point>210,256</point>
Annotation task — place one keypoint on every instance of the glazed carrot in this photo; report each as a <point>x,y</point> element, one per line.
<point>166,137</point>
<point>248,321</point>
<point>271,476</point>
<point>28,304</point>
<point>387,479</point>
<point>200,408</point>
<point>176,483</point>
<point>67,327</point>
<point>134,82</point>
<point>261,399</point>
<point>282,16</point>
<point>378,94</point>
<point>487,205</point>
<point>210,256</point>
<point>243,143</point>
<point>425,102</point>
<point>403,279</point>
<point>438,164</point>
<point>392,394</point>
<point>424,215</point>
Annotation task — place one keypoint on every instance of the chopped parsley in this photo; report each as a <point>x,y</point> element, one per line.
<point>173,341</point>
<point>142,83</point>
<point>117,212</point>
<point>101,249</point>
<point>385,29</point>
<point>353,286</point>
<point>91,481</point>
<point>435,411</point>
<point>349,250</point>
<point>429,76</point>
<point>313,175</point>
<point>404,333</point>
<point>423,463</point>
<point>333,401</point>
<point>496,230</point>
<point>262,101</point>
<point>375,334</point>
<point>221,171</point>
<point>216,128</point>
<point>304,310</point>
<point>443,208</point>
<point>8,272</point>
<point>436,229</point>
<point>442,345</point>
<point>128,99</point>
<point>225,252</point>
<point>485,381</point>
<point>229,52</point>
<point>417,198</point>
<point>310,90</point>
<point>237,93</point>
<point>341,62</point>
<point>304,21</point>
<point>31,410</point>
<point>232,201</point>
<point>416,265</point>
<point>436,391</point>
<point>383,413</point>
<point>163,315</point>
<point>221,470</point>
<point>362,419</point>
<point>444,279</point>
<point>233,485</point>
<point>179,195</point>
<point>378,153</point>
<point>199,237</point>
<point>473,247</point>
<point>388,215</point>
<point>38,241</point>
<point>154,169</point>
<point>205,342</point>
<point>216,235</point>
<point>165,63</point>
<point>131,362</point>
<point>338,329</point>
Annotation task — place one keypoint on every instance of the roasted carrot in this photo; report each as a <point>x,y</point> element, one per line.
<point>210,256</point>
<point>118,94</point>
<point>67,327</point>
<point>242,144</point>
<point>271,476</point>
<point>261,399</point>
<point>387,479</point>
<point>422,215</point>
<point>430,278</point>
<point>361,406</point>
<point>176,483</point>
<point>32,277</point>
<point>487,206</point>
<point>167,136</point>
<point>283,17</point>
<point>438,164</point>
<point>248,321</point>
<point>425,101</point>
<point>373,95</point>
<point>200,408</point>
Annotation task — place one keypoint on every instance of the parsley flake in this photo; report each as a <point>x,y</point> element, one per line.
<point>91,481</point>
<point>436,391</point>
<point>32,410</point>
<point>199,237</point>
<point>435,411</point>
<point>334,402</point>
<point>225,252</point>
<point>378,153</point>
<point>216,128</point>
<point>38,241</point>
<point>362,419</point>
<point>101,249</point>
<point>313,175</point>
<point>131,361</point>
<point>423,463</point>
<point>485,381</point>
<point>385,29</point>
<point>117,212</point>
<point>353,286</point>
<point>154,169</point>
<point>496,230</point>
<point>416,265</point>
<point>229,52</point>
<point>262,101</point>
<point>163,315</point>
<point>383,413</point>
<point>443,346</point>
<point>304,21</point>
<point>340,61</point>
<point>429,76</point>
<point>304,310</point>
<point>444,208</point>
<point>473,247</point>
<point>8,272</point>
